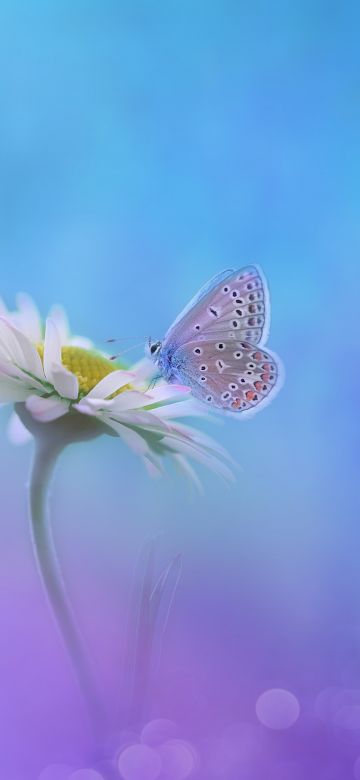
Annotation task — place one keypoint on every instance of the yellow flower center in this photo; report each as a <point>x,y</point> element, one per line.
<point>89,367</point>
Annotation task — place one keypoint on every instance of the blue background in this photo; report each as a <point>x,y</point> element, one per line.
<point>144,147</point>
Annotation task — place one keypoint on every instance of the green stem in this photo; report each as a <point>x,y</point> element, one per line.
<point>45,457</point>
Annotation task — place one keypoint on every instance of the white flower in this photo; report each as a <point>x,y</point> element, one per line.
<point>53,375</point>
<point>28,320</point>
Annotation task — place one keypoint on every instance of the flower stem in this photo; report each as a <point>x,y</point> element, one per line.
<point>45,457</point>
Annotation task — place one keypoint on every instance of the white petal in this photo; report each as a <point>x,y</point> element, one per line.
<point>81,341</point>
<point>130,399</point>
<point>190,450</point>
<point>93,406</point>
<point>52,349</point>
<point>65,382</point>
<point>188,470</point>
<point>110,384</point>
<point>8,369</point>
<point>203,440</point>
<point>187,408</point>
<point>106,408</point>
<point>131,438</point>
<point>58,316</point>
<point>27,318</point>
<point>154,469</point>
<point>16,431</point>
<point>17,349</point>
<point>134,418</point>
<point>166,392</point>
<point>140,419</point>
<point>9,345</point>
<point>144,371</point>
<point>27,355</point>
<point>12,391</point>
<point>46,409</point>
<point>87,407</point>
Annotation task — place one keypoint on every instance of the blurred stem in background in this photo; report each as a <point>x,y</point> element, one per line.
<point>148,616</point>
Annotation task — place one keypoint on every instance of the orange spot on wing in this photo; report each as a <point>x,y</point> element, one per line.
<point>258,385</point>
<point>250,395</point>
<point>265,377</point>
<point>236,403</point>
<point>257,356</point>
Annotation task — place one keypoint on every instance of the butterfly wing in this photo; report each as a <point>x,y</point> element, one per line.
<point>234,304</point>
<point>207,288</point>
<point>234,376</point>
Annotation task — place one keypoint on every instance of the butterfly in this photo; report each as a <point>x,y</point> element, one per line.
<point>216,345</point>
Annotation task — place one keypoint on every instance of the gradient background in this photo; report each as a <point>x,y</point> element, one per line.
<point>144,147</point>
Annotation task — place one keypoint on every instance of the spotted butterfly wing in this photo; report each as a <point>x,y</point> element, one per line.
<point>234,376</point>
<point>234,304</point>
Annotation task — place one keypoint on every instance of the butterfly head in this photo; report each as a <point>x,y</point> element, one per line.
<point>154,349</point>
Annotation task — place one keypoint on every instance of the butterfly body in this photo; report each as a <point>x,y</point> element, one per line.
<point>216,344</point>
<point>168,363</point>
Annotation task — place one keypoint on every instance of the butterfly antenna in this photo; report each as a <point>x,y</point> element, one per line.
<point>124,351</point>
<point>124,338</point>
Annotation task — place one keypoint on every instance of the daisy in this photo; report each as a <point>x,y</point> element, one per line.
<point>54,375</point>
<point>65,391</point>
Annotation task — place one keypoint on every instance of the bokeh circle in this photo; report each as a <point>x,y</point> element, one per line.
<point>158,731</point>
<point>139,762</point>
<point>277,709</point>
<point>178,759</point>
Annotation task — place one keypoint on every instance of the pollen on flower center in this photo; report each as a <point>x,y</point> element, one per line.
<point>89,367</point>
